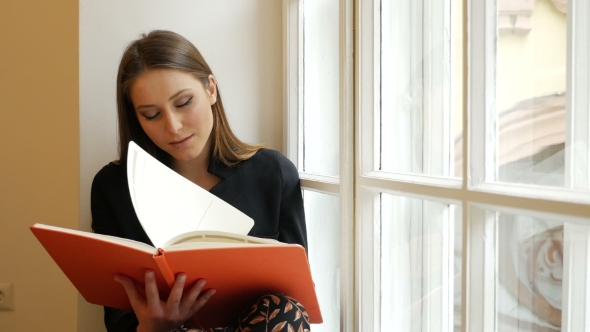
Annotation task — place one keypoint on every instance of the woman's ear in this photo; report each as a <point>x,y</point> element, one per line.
<point>212,89</point>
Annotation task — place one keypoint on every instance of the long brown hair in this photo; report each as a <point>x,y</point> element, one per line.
<point>168,50</point>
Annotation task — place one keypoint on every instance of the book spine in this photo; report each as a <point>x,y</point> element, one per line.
<point>163,267</point>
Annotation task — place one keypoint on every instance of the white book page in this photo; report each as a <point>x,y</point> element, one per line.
<point>218,237</point>
<point>215,245</point>
<point>167,204</point>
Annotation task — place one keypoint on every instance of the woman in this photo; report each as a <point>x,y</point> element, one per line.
<point>169,103</point>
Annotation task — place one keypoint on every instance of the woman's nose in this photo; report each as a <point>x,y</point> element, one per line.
<point>173,122</point>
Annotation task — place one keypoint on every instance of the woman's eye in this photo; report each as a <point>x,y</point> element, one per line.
<point>151,116</point>
<point>186,103</point>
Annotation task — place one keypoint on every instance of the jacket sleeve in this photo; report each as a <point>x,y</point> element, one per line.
<point>292,227</point>
<point>103,222</point>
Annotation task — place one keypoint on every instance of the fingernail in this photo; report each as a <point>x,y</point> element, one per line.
<point>182,277</point>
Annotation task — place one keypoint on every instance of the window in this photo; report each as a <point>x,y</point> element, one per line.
<point>443,149</point>
<point>316,81</point>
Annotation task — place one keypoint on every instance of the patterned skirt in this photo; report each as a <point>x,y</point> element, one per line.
<point>271,313</point>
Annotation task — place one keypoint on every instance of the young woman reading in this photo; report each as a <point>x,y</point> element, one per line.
<point>169,103</point>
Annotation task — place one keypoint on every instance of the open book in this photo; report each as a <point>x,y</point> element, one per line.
<point>195,241</point>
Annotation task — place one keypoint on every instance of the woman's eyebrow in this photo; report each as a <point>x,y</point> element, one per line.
<point>176,94</point>
<point>170,99</point>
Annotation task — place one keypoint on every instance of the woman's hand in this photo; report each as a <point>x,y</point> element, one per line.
<point>155,315</point>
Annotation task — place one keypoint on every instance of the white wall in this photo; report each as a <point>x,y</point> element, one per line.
<point>242,42</point>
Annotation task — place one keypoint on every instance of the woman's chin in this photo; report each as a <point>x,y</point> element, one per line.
<point>185,157</point>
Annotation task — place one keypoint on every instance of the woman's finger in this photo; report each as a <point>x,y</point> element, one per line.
<point>176,293</point>
<point>203,297</point>
<point>151,289</point>
<point>135,297</point>
<point>193,293</point>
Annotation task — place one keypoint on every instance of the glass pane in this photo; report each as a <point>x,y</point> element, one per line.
<point>421,246</point>
<point>322,214</point>
<point>421,87</point>
<point>531,92</point>
<point>530,273</point>
<point>321,87</point>
<point>541,268</point>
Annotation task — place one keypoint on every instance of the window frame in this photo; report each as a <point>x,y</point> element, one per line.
<point>359,184</point>
<point>342,185</point>
<point>578,85</point>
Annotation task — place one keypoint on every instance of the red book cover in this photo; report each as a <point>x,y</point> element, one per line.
<point>240,274</point>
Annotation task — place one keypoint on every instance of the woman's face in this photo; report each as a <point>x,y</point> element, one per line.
<point>174,110</point>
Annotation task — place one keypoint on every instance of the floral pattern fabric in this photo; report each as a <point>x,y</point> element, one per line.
<point>271,313</point>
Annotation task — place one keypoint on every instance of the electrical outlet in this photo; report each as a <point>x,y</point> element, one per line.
<point>6,296</point>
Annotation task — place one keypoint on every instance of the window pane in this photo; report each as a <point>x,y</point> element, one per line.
<point>541,271</point>
<point>531,92</point>
<point>321,87</point>
<point>421,87</point>
<point>530,273</point>
<point>322,214</point>
<point>421,245</point>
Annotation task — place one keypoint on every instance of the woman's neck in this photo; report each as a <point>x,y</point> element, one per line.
<point>196,171</point>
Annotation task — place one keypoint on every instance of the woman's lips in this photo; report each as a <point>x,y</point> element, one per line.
<point>181,143</point>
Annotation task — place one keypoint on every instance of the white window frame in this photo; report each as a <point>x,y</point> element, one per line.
<point>576,273</point>
<point>359,184</point>
<point>578,85</point>
<point>343,185</point>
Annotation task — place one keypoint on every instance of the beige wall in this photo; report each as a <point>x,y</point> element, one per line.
<point>39,163</point>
